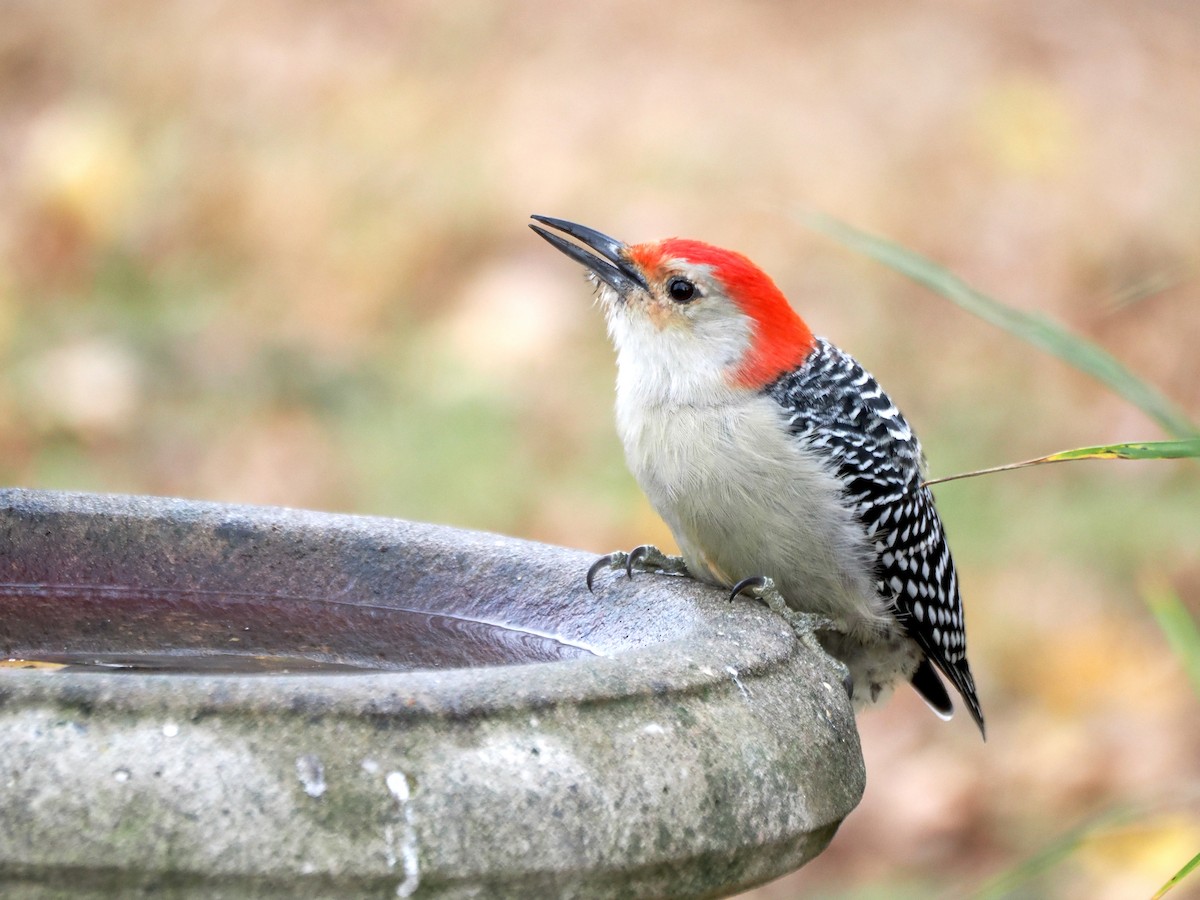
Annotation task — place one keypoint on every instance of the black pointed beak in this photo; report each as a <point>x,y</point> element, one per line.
<point>609,266</point>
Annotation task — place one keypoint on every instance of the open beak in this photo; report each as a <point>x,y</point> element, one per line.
<point>609,266</point>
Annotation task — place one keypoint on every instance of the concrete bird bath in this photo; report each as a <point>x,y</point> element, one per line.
<point>265,702</point>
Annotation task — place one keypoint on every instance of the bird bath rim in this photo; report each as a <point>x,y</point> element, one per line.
<point>671,630</point>
<point>707,752</point>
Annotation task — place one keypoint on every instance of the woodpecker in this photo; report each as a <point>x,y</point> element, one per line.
<point>777,461</point>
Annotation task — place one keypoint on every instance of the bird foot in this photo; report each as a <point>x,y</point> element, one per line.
<point>804,624</point>
<point>645,558</point>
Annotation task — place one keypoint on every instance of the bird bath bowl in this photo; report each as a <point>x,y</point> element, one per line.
<point>235,701</point>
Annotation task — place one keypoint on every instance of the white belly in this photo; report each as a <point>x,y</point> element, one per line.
<point>742,499</point>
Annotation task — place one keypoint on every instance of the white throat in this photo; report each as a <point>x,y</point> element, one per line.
<point>676,364</point>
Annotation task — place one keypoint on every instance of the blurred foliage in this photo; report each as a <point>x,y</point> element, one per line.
<point>1179,627</point>
<point>1119,836</point>
<point>1035,329</point>
<point>276,253</point>
<point>1052,854</point>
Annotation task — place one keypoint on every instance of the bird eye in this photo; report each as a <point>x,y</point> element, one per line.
<point>681,290</point>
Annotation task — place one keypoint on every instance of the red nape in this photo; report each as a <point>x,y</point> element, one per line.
<point>781,339</point>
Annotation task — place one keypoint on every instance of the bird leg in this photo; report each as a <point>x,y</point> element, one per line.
<point>804,624</point>
<point>645,558</point>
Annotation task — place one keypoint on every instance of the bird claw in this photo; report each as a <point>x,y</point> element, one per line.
<point>804,624</point>
<point>615,560</point>
<point>762,588</point>
<point>759,585</point>
<point>636,556</point>
<point>645,558</point>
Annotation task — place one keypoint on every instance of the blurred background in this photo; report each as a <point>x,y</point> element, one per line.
<point>276,253</point>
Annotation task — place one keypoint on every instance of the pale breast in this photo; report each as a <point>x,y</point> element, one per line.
<point>742,498</point>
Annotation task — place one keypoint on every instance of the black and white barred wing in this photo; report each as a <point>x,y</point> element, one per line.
<point>836,406</point>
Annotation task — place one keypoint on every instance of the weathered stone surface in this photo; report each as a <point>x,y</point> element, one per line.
<point>673,745</point>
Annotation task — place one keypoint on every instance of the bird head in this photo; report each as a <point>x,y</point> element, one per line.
<point>697,311</point>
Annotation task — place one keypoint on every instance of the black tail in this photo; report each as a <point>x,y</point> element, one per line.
<point>929,685</point>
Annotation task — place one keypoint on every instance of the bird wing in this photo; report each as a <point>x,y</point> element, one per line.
<point>837,407</point>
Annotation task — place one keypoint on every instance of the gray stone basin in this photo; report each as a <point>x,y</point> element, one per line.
<point>250,702</point>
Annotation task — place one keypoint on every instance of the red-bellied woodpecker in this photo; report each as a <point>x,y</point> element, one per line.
<point>777,461</point>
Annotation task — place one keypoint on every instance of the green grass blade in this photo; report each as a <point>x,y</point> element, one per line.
<point>1141,450</point>
<point>1189,866</point>
<point>1145,450</point>
<point>1177,624</point>
<point>1039,330</point>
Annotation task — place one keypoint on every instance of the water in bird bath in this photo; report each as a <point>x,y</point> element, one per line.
<point>115,628</point>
